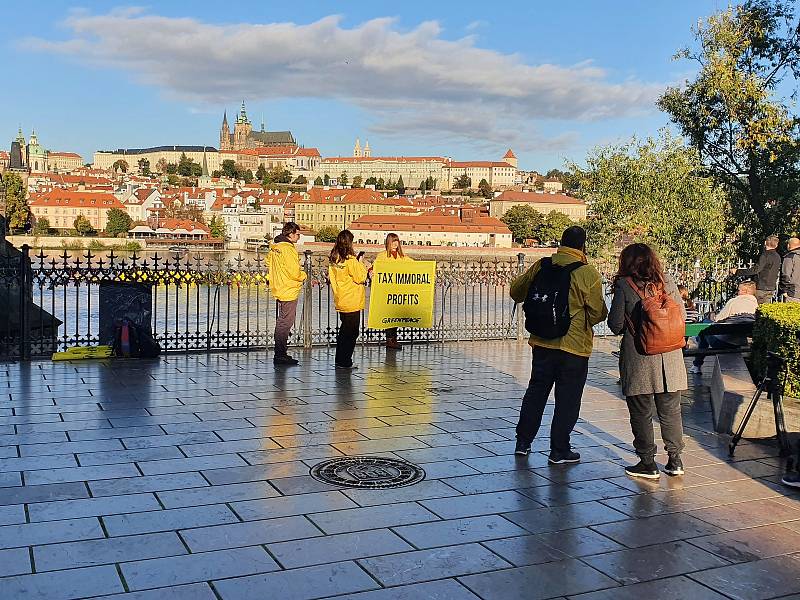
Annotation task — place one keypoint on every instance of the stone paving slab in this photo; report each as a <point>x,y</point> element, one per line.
<point>187,478</point>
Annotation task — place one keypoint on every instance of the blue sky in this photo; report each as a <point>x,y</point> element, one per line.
<point>457,79</point>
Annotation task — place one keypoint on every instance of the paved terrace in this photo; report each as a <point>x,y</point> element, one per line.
<point>187,478</point>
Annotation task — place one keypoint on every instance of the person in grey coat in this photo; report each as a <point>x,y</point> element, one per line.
<point>648,380</point>
<point>790,273</point>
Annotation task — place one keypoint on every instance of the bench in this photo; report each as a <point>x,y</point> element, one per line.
<point>742,329</point>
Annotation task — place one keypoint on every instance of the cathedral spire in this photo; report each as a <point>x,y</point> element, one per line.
<point>225,118</point>
<point>205,163</point>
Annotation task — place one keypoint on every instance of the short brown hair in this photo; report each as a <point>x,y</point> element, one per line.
<point>290,227</point>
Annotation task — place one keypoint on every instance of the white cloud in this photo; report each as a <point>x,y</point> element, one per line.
<point>413,81</point>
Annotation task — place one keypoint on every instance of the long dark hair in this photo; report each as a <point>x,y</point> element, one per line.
<point>343,247</point>
<point>640,263</point>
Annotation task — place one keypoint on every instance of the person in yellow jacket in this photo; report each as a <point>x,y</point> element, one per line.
<point>394,251</point>
<point>348,277</point>
<point>286,279</point>
<point>563,361</point>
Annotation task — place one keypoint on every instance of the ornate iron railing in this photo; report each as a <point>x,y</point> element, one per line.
<point>204,304</point>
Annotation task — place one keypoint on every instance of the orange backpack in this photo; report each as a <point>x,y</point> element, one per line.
<point>657,322</point>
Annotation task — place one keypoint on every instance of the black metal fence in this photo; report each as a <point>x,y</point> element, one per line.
<point>52,303</point>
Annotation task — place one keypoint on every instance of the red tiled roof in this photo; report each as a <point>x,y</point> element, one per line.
<point>64,154</point>
<point>479,163</point>
<point>187,224</point>
<point>318,195</point>
<point>512,196</point>
<point>75,198</point>
<point>509,154</point>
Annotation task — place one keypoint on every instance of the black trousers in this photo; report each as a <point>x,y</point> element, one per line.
<point>391,333</point>
<point>568,373</point>
<point>668,408</point>
<point>346,337</point>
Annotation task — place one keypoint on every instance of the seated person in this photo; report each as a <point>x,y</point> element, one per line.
<point>692,314</point>
<point>739,309</point>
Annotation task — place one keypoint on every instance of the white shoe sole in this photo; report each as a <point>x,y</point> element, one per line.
<point>643,475</point>
<point>564,461</point>
<point>793,484</point>
<point>675,473</point>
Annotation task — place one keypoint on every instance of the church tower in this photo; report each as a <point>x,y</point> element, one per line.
<point>367,151</point>
<point>242,130</point>
<point>225,133</point>
<point>357,149</point>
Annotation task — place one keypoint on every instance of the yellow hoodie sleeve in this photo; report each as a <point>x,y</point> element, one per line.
<point>357,270</point>
<point>296,272</point>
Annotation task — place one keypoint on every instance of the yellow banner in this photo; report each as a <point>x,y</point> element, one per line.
<point>401,294</point>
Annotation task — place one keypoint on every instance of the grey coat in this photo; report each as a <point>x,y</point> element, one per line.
<point>640,373</point>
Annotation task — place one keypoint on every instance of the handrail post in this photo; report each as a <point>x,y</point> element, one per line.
<point>520,315</point>
<point>25,295</point>
<point>308,303</point>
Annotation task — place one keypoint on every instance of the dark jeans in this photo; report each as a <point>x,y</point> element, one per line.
<point>568,373</point>
<point>391,334</point>
<point>346,338</point>
<point>287,310</point>
<point>718,342</point>
<point>668,407</point>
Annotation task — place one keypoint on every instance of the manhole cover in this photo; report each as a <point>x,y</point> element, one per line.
<point>370,472</point>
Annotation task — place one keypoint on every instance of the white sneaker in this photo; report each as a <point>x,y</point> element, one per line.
<point>695,370</point>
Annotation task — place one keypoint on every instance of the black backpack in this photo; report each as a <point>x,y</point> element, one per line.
<point>133,341</point>
<point>546,306</point>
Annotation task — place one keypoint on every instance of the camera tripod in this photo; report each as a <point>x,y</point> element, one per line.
<point>772,384</point>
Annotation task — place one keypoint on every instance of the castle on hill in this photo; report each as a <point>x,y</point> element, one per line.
<point>244,137</point>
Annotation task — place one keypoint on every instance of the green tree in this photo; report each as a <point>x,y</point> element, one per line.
<point>400,186</point>
<point>343,179</point>
<point>216,174</point>
<point>188,168</point>
<point>144,166</point>
<point>83,226</point>
<point>326,179</point>
<point>161,165</point>
<point>656,192</point>
<point>120,165</point>
<point>261,173</point>
<point>173,180</point>
<point>423,186</point>
<point>247,176</point>
<point>462,182</point>
<point>552,227</point>
<point>380,184</point>
<point>171,169</point>
<point>318,181</point>
<point>229,168</point>
<point>430,183</point>
<point>523,220</point>
<point>17,211</point>
<point>485,189</point>
<point>371,181</point>
<point>217,227</point>
<point>300,180</point>
<point>280,175</point>
<point>358,181</point>
<point>118,221</point>
<point>327,233</point>
<point>732,113</point>
<point>42,226</point>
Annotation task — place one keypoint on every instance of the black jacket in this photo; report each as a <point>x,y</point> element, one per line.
<point>766,271</point>
<point>790,274</point>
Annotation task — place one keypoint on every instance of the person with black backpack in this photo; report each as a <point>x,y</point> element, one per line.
<point>562,299</point>
<point>648,311</point>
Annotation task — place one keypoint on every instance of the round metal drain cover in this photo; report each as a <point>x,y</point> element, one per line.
<point>368,472</point>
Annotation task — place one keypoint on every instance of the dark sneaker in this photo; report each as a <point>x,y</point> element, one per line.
<point>644,470</point>
<point>792,479</point>
<point>343,368</point>
<point>564,458</point>
<point>523,448</point>
<point>284,360</point>
<point>674,466</point>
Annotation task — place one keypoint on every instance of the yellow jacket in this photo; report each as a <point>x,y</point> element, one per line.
<point>387,256</point>
<point>347,282</point>
<point>285,275</point>
<point>587,306</point>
